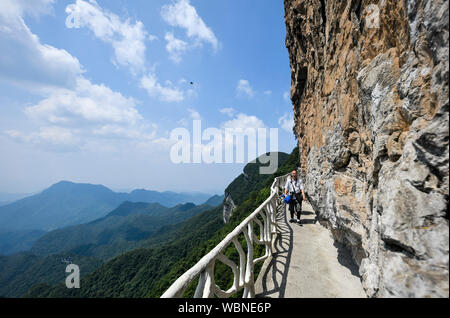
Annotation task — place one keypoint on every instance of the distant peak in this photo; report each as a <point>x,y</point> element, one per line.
<point>69,185</point>
<point>62,182</point>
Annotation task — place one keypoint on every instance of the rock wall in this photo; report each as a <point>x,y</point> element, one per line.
<point>370,99</point>
<point>228,207</point>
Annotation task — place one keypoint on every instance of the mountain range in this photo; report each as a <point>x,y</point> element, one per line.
<point>129,226</point>
<point>136,249</point>
<point>149,270</point>
<point>67,203</point>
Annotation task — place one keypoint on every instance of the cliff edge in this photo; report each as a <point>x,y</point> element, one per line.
<point>369,88</point>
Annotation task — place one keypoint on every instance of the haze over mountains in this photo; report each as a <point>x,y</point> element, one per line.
<point>7,198</point>
<point>66,204</point>
<point>156,262</point>
<point>140,240</point>
<point>129,226</point>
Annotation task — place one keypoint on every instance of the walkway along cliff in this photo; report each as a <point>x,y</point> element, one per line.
<point>370,100</point>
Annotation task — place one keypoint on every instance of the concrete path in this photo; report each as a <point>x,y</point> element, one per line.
<point>308,263</point>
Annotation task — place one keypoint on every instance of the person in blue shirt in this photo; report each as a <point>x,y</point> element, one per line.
<point>294,187</point>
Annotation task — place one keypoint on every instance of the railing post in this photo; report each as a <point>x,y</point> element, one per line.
<point>210,285</point>
<point>242,261</point>
<point>235,270</point>
<point>249,289</point>
<point>270,215</point>
<point>267,226</point>
<point>201,285</point>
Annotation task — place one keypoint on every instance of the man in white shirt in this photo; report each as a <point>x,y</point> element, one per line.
<point>294,187</point>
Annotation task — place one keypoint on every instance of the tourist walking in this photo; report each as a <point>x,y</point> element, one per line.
<point>294,188</point>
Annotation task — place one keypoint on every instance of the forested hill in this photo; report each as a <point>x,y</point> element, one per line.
<point>149,271</point>
<point>250,180</point>
<point>121,230</point>
<point>22,270</point>
<point>127,227</point>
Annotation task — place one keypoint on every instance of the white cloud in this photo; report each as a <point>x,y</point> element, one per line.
<point>287,96</point>
<point>244,89</point>
<point>72,119</point>
<point>191,93</point>
<point>139,132</point>
<point>24,60</point>
<point>244,121</point>
<point>163,93</point>
<point>161,144</point>
<point>52,138</point>
<point>127,39</point>
<point>88,103</point>
<point>227,111</point>
<point>74,112</point>
<point>268,92</point>
<point>152,37</point>
<point>175,47</point>
<point>15,8</point>
<point>58,135</point>
<point>182,14</point>
<point>90,111</point>
<point>286,122</point>
<point>182,122</point>
<point>194,114</point>
<point>99,138</point>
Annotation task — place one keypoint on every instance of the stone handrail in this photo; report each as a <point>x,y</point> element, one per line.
<point>244,273</point>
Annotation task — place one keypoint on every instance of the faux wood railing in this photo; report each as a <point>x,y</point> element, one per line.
<point>244,272</point>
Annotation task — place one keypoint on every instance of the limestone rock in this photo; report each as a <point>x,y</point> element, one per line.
<point>228,207</point>
<point>369,88</point>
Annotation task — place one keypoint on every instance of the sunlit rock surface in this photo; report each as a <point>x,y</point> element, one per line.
<point>370,101</point>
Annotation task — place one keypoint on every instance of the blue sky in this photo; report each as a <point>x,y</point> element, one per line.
<point>90,90</point>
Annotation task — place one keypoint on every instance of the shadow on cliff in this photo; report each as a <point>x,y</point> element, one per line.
<point>345,258</point>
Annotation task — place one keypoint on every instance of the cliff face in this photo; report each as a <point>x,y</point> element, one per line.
<point>228,207</point>
<point>370,100</point>
<point>248,181</point>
